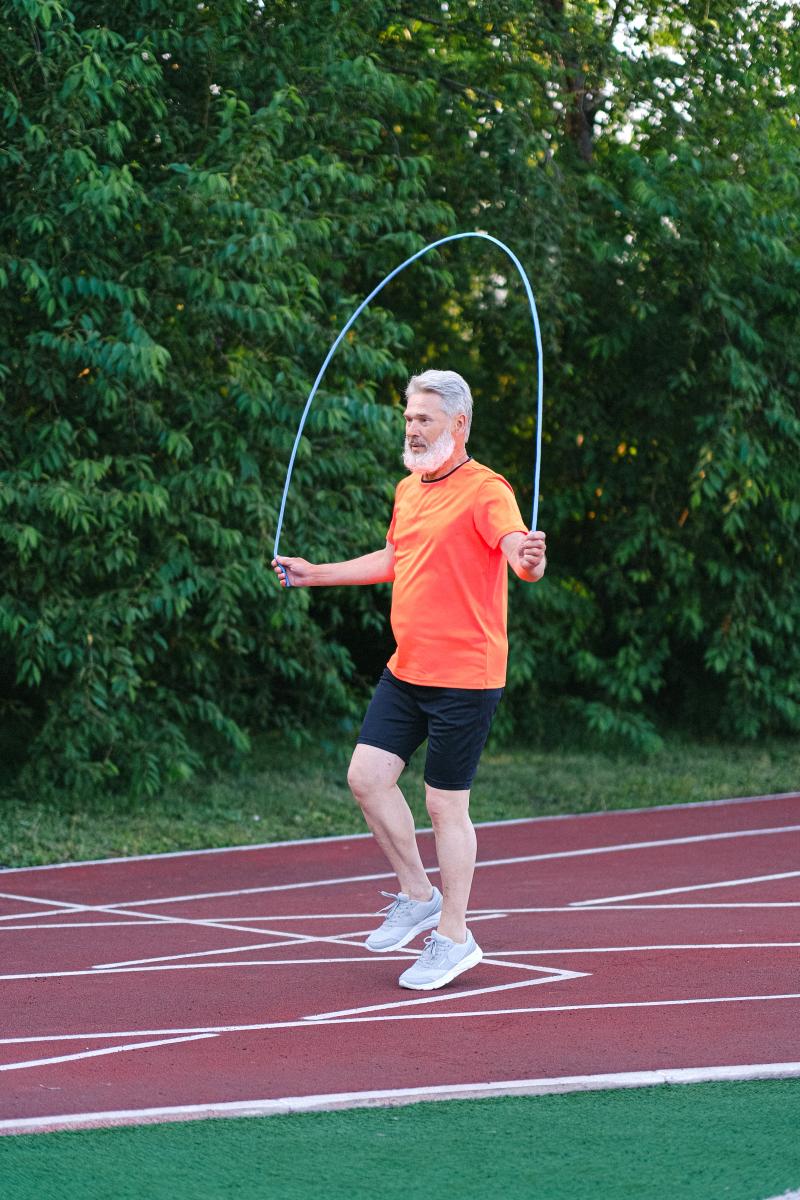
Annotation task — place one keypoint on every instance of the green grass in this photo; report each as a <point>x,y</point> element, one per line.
<point>731,1141</point>
<point>284,793</point>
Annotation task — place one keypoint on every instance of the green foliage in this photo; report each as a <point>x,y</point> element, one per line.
<point>161,320</point>
<point>194,199</point>
<point>643,161</point>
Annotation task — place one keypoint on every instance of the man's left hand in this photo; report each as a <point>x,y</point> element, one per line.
<point>532,550</point>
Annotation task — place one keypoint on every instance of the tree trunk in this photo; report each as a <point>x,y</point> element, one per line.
<point>580,112</point>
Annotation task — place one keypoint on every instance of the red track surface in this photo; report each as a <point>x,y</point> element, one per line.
<point>687,956</point>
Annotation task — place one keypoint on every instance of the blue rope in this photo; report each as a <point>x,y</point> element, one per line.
<point>453,237</point>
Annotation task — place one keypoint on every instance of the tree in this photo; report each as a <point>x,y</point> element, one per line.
<point>178,230</point>
<point>194,200</point>
<point>642,160</point>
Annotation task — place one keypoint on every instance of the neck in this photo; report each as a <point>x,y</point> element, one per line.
<point>456,459</point>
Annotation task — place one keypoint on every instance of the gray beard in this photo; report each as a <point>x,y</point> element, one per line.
<point>433,458</point>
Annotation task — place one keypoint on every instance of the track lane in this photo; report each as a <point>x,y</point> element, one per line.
<point>617,993</point>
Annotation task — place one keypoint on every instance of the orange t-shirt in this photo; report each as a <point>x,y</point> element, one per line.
<point>450,588</point>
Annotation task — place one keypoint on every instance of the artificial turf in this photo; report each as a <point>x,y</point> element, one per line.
<point>720,1141</point>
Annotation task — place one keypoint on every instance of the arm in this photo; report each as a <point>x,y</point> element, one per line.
<point>370,568</point>
<point>526,554</point>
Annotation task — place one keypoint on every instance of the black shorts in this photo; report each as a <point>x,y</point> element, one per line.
<point>456,722</point>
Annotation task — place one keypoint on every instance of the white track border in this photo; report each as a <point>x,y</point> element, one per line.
<point>349,837</point>
<point>401,1096</point>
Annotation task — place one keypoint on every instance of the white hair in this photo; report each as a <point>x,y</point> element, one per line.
<point>452,389</point>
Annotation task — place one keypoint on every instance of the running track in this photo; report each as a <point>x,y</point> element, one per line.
<point>619,948</point>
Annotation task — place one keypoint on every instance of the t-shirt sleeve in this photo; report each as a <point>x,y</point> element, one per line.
<point>497,512</point>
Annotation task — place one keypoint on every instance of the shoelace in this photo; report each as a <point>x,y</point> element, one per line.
<point>394,910</point>
<point>433,947</point>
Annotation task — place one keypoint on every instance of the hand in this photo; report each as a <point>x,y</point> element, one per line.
<point>532,550</point>
<point>299,571</point>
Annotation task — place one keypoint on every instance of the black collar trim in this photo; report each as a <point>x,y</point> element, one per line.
<point>442,478</point>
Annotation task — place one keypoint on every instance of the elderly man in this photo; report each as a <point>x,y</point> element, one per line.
<point>454,527</point>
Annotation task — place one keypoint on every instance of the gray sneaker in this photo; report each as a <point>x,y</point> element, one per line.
<point>440,962</point>
<point>404,920</point>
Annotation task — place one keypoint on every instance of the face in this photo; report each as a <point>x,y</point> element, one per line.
<point>431,435</point>
<point>425,419</point>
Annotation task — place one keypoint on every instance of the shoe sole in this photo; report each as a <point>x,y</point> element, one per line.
<point>471,960</point>
<point>429,923</point>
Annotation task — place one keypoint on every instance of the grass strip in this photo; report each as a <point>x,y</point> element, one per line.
<point>736,1141</point>
<point>284,793</point>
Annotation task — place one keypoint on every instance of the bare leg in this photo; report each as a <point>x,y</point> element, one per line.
<point>373,777</point>
<point>455,847</point>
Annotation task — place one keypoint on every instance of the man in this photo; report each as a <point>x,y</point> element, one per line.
<point>454,528</point>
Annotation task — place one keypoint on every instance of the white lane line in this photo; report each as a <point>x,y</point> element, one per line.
<point>286,937</point>
<point>116,906</point>
<point>291,939</point>
<point>76,925</point>
<point>558,1008</point>
<point>570,908</point>
<point>493,862</point>
<point>694,839</point>
<point>66,906</point>
<point>148,918</point>
<point>344,939</point>
<point>644,949</point>
<point>257,891</point>
<point>55,905</point>
<point>494,960</point>
<point>480,915</point>
<point>62,1058</point>
<point>692,887</point>
<point>210,966</point>
<point>350,837</point>
<point>395,1096</point>
<point>263,1026</point>
<point>22,916</point>
<point>405,956</point>
<point>795,1195</point>
<point>147,965</point>
<point>317,916</point>
<point>550,975</point>
<point>473,915</point>
<point>159,918</point>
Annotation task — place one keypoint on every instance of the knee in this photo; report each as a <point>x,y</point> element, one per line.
<point>441,808</point>
<point>372,775</point>
<point>447,809</point>
<point>360,782</point>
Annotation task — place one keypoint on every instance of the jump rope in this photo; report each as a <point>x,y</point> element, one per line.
<point>453,237</point>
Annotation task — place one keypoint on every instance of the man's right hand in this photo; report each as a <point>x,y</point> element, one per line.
<point>377,567</point>
<point>299,571</point>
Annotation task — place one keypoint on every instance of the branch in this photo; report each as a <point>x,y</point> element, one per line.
<point>453,84</point>
<point>407,16</point>
<point>615,16</point>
